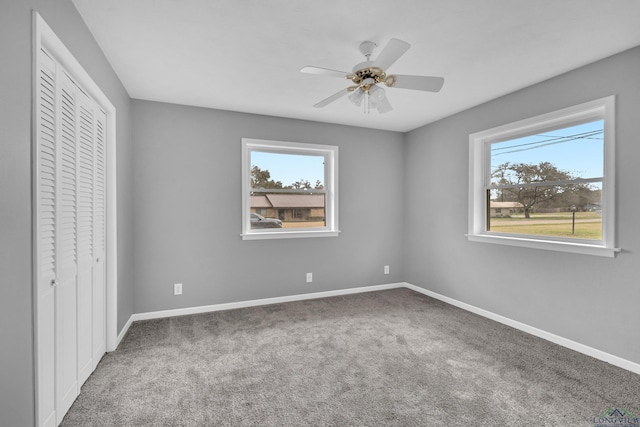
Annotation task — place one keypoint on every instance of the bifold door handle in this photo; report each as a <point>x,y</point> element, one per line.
<point>54,283</point>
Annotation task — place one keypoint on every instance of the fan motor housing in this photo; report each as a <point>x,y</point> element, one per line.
<point>368,76</point>
<point>375,73</point>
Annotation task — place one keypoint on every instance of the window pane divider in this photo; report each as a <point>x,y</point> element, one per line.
<point>289,190</point>
<point>544,183</point>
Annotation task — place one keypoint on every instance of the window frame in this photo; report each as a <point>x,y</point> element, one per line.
<point>330,154</point>
<point>479,162</point>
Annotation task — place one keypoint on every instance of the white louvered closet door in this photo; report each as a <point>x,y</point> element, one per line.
<point>86,137</point>
<point>99,295</point>
<point>47,236</point>
<point>70,238</point>
<point>66,292</point>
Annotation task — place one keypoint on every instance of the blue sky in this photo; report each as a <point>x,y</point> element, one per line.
<point>578,150</point>
<point>289,168</point>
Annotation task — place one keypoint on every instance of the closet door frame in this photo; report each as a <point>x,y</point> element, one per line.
<point>43,36</point>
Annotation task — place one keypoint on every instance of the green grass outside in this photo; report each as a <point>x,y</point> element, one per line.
<point>589,230</point>
<point>517,224</point>
<point>550,216</point>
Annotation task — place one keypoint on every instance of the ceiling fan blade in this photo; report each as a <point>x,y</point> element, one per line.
<point>391,52</point>
<point>323,71</point>
<point>332,98</point>
<point>426,83</point>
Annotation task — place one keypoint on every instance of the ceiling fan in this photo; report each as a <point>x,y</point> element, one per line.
<point>368,74</point>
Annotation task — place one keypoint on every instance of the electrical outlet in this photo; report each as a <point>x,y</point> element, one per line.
<point>386,269</point>
<point>309,277</point>
<point>177,289</point>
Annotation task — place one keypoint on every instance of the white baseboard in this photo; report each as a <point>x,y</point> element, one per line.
<point>259,302</point>
<point>124,330</point>
<point>556,339</point>
<point>564,342</point>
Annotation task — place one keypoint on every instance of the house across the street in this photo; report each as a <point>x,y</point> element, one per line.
<point>502,209</point>
<point>290,207</point>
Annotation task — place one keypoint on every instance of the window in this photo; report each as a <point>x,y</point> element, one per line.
<point>553,174</point>
<point>302,214</point>
<point>288,190</point>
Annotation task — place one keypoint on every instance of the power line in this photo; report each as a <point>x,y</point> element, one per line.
<point>546,142</point>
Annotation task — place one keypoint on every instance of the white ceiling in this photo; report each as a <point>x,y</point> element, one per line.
<point>245,55</point>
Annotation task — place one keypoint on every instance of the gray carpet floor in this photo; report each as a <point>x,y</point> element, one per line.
<point>389,358</point>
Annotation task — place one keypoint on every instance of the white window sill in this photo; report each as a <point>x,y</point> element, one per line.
<point>294,234</point>
<point>551,245</point>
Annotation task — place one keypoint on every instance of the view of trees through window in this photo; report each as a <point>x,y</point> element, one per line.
<point>261,179</point>
<point>287,191</point>
<point>549,183</point>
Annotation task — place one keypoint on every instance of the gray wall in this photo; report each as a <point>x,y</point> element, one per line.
<point>187,206</point>
<point>16,317</point>
<point>588,299</point>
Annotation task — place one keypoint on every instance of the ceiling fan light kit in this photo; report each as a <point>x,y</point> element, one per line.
<point>368,74</point>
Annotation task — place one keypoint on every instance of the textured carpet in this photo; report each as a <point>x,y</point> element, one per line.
<point>389,358</point>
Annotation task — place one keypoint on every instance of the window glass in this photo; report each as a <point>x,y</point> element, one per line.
<point>572,158</point>
<point>281,170</point>
<point>289,188</point>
